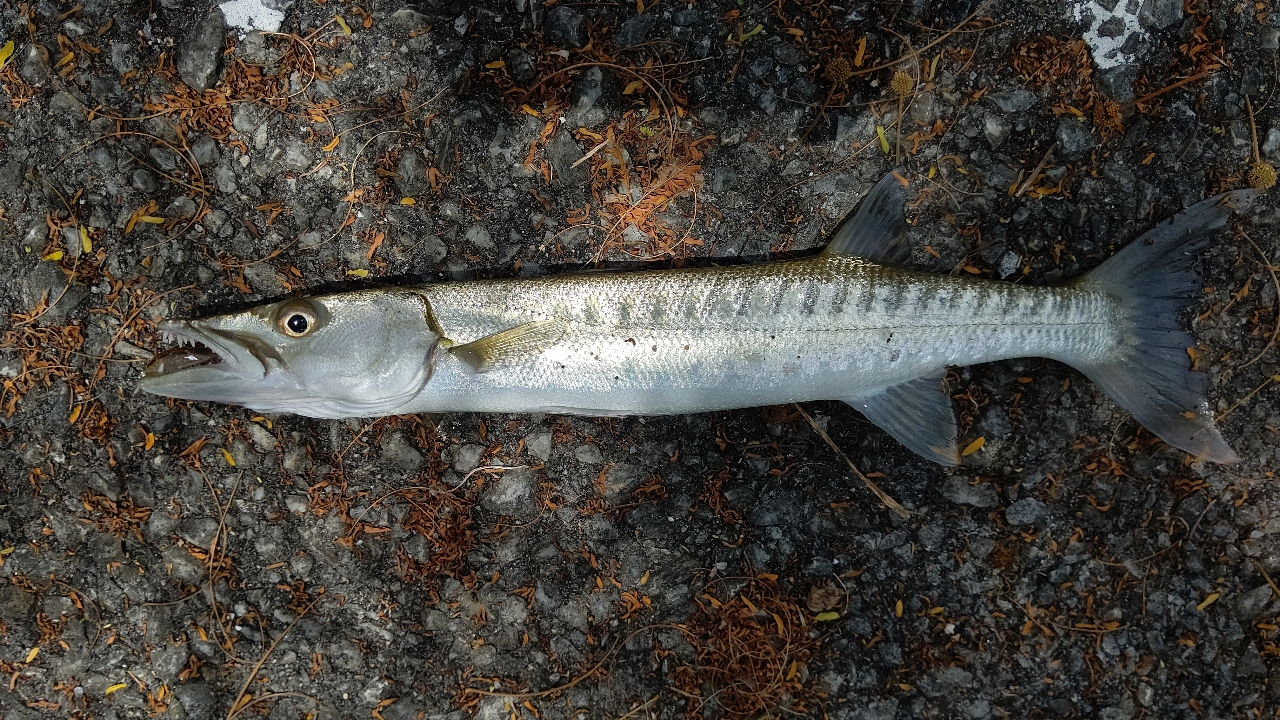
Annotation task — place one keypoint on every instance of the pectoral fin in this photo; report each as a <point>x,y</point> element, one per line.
<point>518,343</point>
<point>918,414</point>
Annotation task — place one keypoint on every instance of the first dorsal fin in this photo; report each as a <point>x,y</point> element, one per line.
<point>518,343</point>
<point>877,231</point>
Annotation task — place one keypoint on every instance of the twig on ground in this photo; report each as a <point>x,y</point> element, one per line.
<point>1275,589</point>
<point>638,708</point>
<point>1031,180</point>
<point>1275,332</point>
<point>245,701</point>
<point>875,489</point>
<point>1168,88</point>
<point>588,674</point>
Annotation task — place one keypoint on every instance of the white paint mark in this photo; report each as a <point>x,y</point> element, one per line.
<point>250,15</point>
<point>1106,51</point>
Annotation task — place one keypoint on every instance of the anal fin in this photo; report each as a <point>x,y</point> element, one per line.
<point>518,343</point>
<point>918,414</point>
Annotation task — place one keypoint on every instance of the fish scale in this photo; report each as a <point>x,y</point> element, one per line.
<point>746,326</point>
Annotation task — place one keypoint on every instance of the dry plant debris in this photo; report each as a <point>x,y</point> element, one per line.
<point>444,520</point>
<point>439,514</point>
<point>713,496</point>
<point>752,649</point>
<point>1066,65</point>
<point>119,518</point>
<point>210,111</point>
<point>50,353</point>
<point>813,26</point>
<point>638,164</point>
<point>46,354</point>
<point>19,92</point>
<point>1201,55</point>
<point>642,168</point>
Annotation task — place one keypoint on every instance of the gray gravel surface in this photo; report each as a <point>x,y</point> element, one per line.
<point>191,560</point>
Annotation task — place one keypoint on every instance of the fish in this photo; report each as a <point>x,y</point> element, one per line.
<point>854,323</point>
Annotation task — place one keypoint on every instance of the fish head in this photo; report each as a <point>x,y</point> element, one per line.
<point>349,355</point>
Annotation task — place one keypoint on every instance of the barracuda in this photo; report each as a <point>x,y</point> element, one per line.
<point>849,324</point>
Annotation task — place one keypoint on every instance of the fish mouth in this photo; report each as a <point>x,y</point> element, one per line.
<point>206,364</point>
<point>188,354</point>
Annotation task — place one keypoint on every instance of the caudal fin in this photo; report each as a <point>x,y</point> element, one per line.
<point>1150,373</point>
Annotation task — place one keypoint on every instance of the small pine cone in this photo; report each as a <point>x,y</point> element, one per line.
<point>839,72</point>
<point>1262,176</point>
<point>901,83</point>
<point>1108,118</point>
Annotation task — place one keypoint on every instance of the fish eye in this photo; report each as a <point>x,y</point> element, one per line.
<point>296,320</point>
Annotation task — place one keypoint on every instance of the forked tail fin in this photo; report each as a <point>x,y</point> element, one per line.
<point>1149,373</point>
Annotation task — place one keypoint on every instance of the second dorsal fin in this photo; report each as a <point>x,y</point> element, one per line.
<point>877,230</point>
